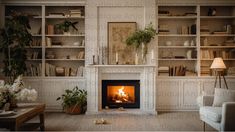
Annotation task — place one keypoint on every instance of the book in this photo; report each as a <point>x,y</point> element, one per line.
<point>50,29</point>
<point>48,41</point>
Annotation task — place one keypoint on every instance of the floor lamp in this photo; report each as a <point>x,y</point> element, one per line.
<point>218,66</point>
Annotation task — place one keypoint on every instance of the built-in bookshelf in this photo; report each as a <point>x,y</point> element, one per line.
<point>217,37</point>
<point>177,40</point>
<point>192,36</point>
<point>52,51</point>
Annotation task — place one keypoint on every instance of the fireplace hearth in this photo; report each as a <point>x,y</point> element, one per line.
<point>120,93</point>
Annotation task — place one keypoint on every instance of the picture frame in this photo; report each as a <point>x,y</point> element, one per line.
<point>118,51</point>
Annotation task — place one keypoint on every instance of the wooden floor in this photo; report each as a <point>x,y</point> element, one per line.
<point>173,121</point>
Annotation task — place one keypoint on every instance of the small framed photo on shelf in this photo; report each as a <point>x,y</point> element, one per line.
<point>118,51</point>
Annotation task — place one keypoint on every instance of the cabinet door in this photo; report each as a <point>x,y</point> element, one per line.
<point>168,92</point>
<point>190,90</point>
<point>51,90</point>
<point>208,86</point>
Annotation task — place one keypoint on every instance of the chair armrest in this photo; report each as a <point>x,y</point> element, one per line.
<point>228,116</point>
<point>207,100</point>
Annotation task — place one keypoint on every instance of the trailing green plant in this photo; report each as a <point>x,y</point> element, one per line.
<point>142,37</point>
<point>74,97</point>
<point>14,37</point>
<point>66,25</point>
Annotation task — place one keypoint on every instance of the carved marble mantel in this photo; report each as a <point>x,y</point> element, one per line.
<point>144,73</point>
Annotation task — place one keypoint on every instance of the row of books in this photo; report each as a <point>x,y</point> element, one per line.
<point>36,42</point>
<point>50,43</point>
<point>34,69</point>
<point>33,55</point>
<point>172,71</point>
<point>52,70</point>
<point>211,54</point>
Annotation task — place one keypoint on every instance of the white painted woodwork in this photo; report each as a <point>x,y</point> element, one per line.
<point>159,93</point>
<point>97,73</point>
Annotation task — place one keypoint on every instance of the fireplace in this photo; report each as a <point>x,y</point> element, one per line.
<point>120,93</point>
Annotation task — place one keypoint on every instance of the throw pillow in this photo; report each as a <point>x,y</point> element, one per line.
<point>200,99</point>
<point>223,95</point>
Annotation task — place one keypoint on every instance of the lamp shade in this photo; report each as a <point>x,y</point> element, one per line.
<point>218,63</point>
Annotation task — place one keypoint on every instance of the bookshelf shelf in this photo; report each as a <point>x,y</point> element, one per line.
<point>176,35</point>
<point>177,17</point>
<point>215,47</point>
<point>65,47</point>
<point>65,59</point>
<point>217,35</point>
<point>217,17</point>
<point>160,59</point>
<point>64,17</point>
<point>177,47</point>
<point>62,35</point>
<point>33,47</point>
<point>213,59</point>
<point>34,59</point>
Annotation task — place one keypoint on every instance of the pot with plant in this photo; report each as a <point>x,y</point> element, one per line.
<point>14,38</point>
<point>142,38</point>
<point>65,26</point>
<point>74,101</point>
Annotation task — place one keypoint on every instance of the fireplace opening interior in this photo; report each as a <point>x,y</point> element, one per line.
<point>120,93</point>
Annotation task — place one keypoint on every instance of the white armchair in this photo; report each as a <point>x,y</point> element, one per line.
<point>220,118</point>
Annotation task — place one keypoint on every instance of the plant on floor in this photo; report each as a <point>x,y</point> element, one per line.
<point>142,37</point>
<point>74,101</point>
<point>14,36</point>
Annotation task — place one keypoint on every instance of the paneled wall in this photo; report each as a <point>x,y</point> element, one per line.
<point>99,12</point>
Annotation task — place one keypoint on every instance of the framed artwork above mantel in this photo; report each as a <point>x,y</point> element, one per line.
<point>118,51</point>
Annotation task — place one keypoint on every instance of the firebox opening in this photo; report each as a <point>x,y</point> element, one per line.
<point>120,93</point>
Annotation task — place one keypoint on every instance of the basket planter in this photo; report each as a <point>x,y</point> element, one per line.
<point>73,110</point>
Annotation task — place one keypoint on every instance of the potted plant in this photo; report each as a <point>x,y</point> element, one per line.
<point>142,37</point>
<point>14,37</point>
<point>74,101</point>
<point>66,25</point>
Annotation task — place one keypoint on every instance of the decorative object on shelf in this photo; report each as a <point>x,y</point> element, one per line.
<point>74,101</point>
<point>66,25</point>
<point>168,43</point>
<point>218,66</point>
<point>14,37</point>
<point>17,91</point>
<point>211,12</point>
<point>192,43</point>
<point>117,35</point>
<point>194,29</point>
<point>186,43</point>
<point>142,37</point>
<point>189,54</point>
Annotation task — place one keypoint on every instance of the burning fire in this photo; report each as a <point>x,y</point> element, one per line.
<point>121,96</point>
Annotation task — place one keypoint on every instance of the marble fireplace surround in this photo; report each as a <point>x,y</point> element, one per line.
<point>144,73</point>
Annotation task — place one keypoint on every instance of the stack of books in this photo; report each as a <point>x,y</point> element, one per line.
<point>163,71</point>
<point>36,42</point>
<point>163,29</point>
<point>54,14</point>
<point>75,13</point>
<point>34,69</point>
<point>204,29</point>
<point>163,13</point>
<point>177,70</point>
<point>50,70</point>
